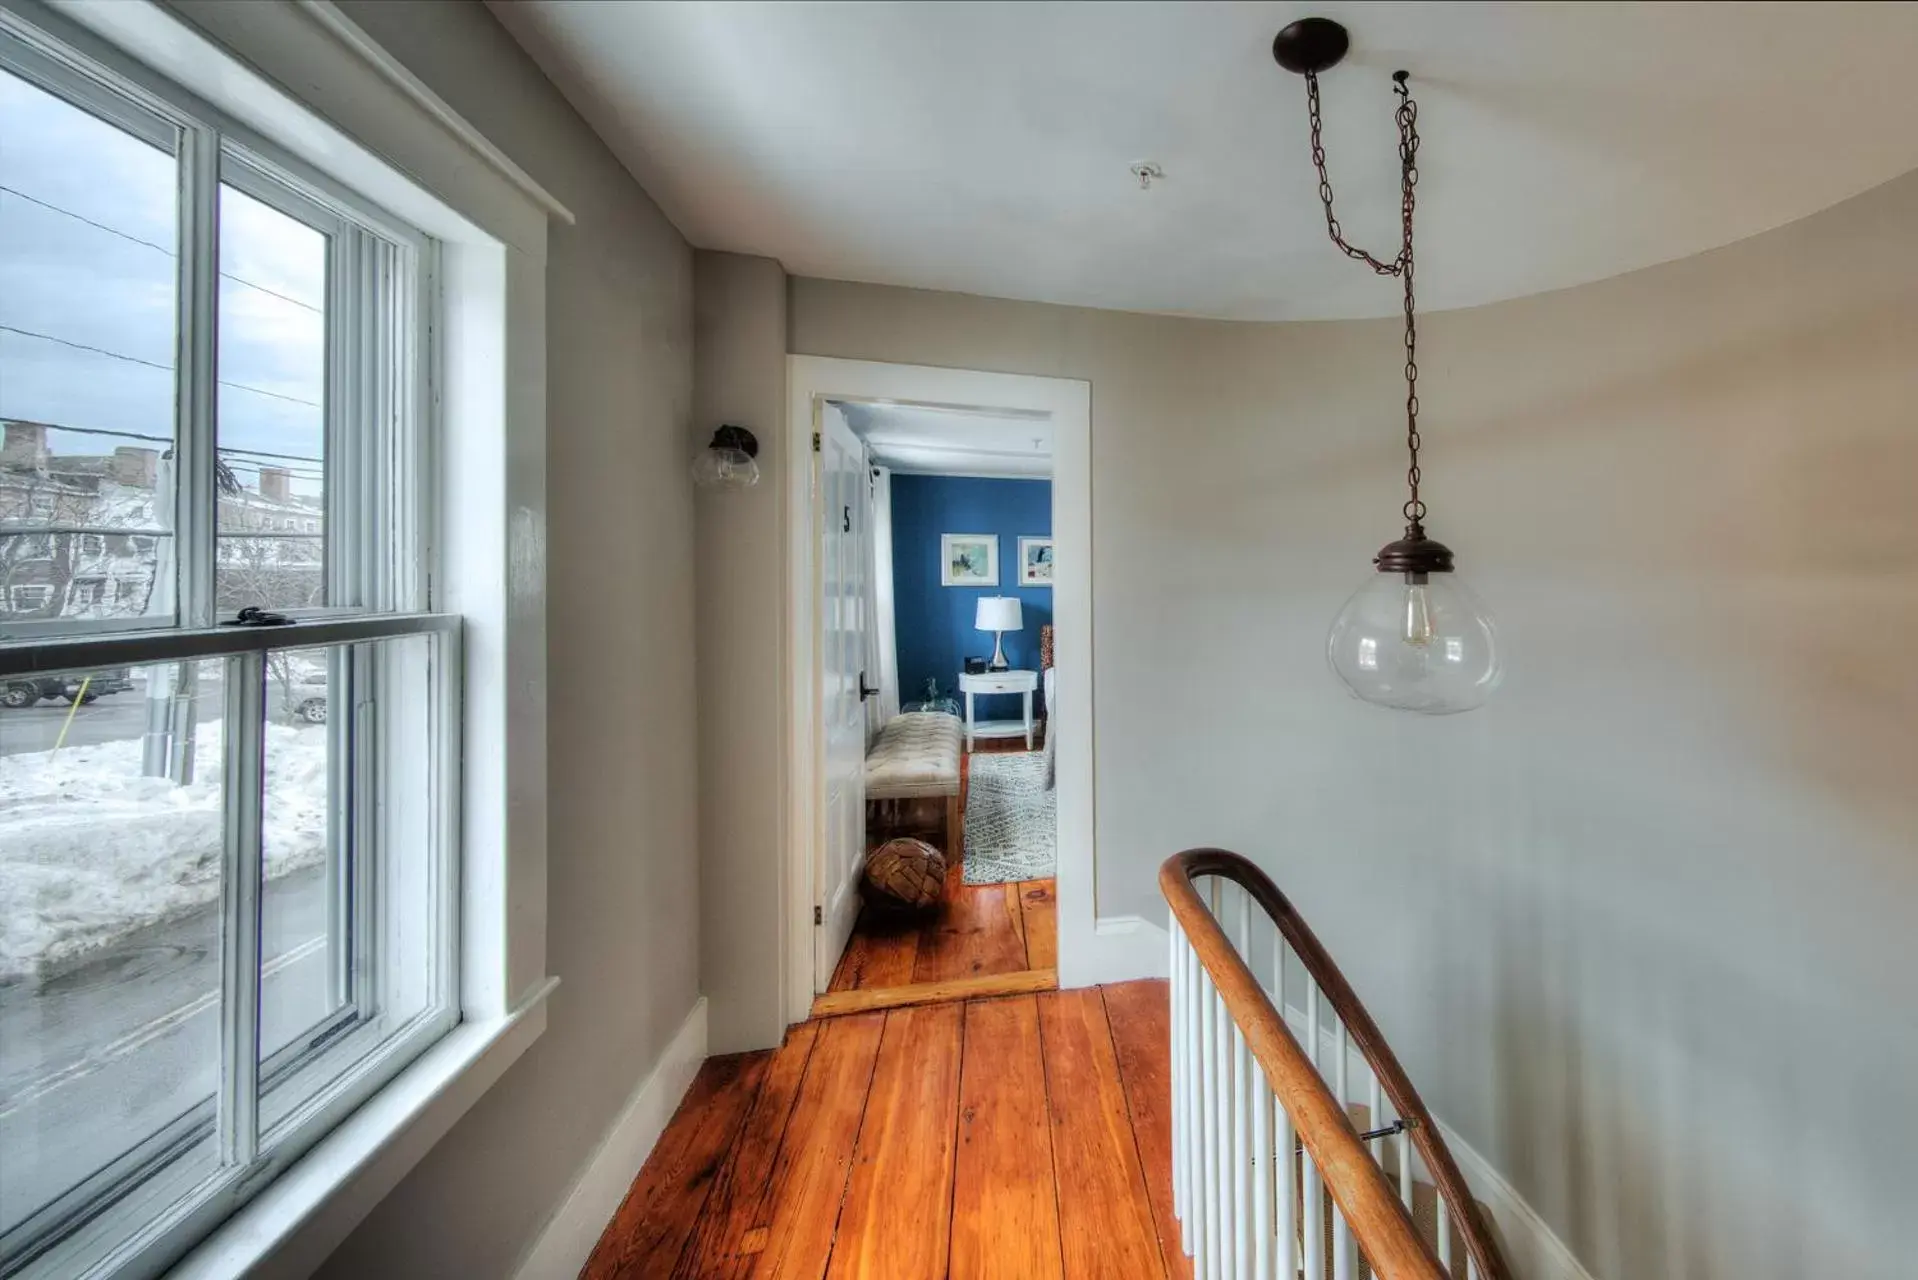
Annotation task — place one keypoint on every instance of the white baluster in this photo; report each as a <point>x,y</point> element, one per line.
<point>1241,1154</point>
<point>1176,996</point>
<point>1264,1155</point>
<point>1278,971</point>
<point>1207,1257</point>
<point>1444,1232</point>
<point>1228,1123</point>
<point>1375,1107</point>
<point>1312,1209</point>
<point>1405,1168</point>
<point>1344,1255</point>
<point>1193,988</point>
<point>1312,1024</point>
<point>1242,1115</point>
<point>1286,1192</point>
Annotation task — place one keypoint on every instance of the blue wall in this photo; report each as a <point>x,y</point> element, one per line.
<point>934,623</point>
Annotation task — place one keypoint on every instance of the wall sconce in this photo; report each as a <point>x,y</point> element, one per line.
<point>727,463</point>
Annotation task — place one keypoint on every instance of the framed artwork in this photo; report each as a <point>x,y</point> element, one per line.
<point>1035,562</point>
<point>969,559</point>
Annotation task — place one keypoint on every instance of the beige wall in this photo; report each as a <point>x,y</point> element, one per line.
<point>622,865</point>
<point>1642,928</point>
<point>740,376</point>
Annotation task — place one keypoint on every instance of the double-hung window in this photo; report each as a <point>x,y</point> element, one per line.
<point>227,874</point>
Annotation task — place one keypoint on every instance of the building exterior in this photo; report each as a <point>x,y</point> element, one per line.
<point>82,535</point>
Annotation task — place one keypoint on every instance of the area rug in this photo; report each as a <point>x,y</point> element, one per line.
<point>1011,819</point>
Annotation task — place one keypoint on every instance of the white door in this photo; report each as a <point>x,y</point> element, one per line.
<point>843,623</point>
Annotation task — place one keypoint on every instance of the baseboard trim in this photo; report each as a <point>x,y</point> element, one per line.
<point>1115,949</point>
<point>567,1240</point>
<point>1534,1249</point>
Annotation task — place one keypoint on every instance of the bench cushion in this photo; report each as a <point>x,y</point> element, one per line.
<point>917,754</point>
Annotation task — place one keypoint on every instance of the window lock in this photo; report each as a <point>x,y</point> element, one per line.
<point>254,616</point>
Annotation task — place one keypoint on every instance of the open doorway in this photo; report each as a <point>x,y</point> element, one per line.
<point>941,815</point>
<point>960,837</point>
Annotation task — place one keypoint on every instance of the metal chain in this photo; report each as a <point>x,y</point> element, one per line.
<point>1400,266</point>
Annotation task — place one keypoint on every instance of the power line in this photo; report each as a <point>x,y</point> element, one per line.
<point>166,440</point>
<point>152,364</point>
<point>160,248</point>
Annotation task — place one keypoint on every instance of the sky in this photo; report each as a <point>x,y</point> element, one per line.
<point>89,229</point>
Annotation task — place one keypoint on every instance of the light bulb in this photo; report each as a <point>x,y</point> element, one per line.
<point>1418,611</point>
<point>1427,646</point>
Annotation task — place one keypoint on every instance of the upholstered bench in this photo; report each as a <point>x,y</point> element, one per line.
<point>917,756</point>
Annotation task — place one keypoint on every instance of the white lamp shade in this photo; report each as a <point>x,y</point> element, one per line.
<point>999,613</point>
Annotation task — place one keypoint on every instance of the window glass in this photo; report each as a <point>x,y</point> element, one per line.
<point>350,925</point>
<point>306,887</point>
<point>111,846</point>
<point>89,234</point>
<point>272,421</point>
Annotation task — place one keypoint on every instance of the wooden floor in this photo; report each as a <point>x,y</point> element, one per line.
<point>977,930</point>
<point>1017,1138</point>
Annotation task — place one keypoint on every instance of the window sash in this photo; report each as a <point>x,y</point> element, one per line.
<point>183,1201</point>
<point>380,554</point>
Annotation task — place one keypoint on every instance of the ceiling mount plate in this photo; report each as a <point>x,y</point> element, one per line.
<point>1310,45</point>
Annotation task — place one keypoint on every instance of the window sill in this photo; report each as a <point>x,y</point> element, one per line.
<point>291,1227</point>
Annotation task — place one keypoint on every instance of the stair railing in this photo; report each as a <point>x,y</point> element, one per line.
<point>1271,1178</point>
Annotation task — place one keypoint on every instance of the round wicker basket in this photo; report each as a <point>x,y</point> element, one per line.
<point>907,872</point>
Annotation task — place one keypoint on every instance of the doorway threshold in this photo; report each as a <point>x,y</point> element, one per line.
<point>835,1004</point>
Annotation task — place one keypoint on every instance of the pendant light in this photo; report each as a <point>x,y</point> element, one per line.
<point>1414,637</point>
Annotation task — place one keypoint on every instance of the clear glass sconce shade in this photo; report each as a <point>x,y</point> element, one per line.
<point>719,467</point>
<point>1416,642</point>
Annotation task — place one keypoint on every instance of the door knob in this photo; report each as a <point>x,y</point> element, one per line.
<point>865,690</point>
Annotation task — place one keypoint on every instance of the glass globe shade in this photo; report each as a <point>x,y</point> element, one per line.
<point>722,467</point>
<point>1416,642</point>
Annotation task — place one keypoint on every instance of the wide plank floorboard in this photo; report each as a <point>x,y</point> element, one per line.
<point>664,1204</point>
<point>1021,1137</point>
<point>809,1176</point>
<point>1105,1219</point>
<point>1005,1210</point>
<point>734,1221</point>
<point>1039,906</point>
<point>1140,1016</point>
<point>881,952</point>
<point>896,1217</point>
<point>974,935</point>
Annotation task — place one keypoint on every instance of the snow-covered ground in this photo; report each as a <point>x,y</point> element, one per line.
<point>91,851</point>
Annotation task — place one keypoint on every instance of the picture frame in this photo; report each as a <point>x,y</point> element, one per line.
<point>969,559</point>
<point>1035,562</point>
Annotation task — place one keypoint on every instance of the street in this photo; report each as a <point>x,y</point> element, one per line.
<point>97,1058</point>
<point>103,1053</point>
<point>109,718</point>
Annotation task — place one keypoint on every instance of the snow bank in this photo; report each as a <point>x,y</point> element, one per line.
<point>91,851</point>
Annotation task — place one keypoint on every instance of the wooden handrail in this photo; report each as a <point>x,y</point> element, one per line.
<point>1357,1184</point>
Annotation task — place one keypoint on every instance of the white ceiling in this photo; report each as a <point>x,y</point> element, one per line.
<point>940,441</point>
<point>984,147</point>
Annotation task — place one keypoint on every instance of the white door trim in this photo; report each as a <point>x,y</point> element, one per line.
<point>811,379</point>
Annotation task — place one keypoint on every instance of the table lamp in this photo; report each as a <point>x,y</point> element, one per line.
<point>998,614</point>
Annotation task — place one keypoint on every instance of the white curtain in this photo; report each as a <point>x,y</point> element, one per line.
<point>882,644</point>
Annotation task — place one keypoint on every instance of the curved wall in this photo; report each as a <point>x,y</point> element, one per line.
<point>1642,929</point>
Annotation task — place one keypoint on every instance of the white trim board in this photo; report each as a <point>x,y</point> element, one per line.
<point>1532,1248</point>
<point>1086,955</point>
<point>566,1241</point>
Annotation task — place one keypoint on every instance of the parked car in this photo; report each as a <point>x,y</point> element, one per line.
<point>303,697</point>
<point>71,686</point>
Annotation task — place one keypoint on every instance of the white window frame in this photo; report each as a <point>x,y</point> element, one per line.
<point>365,123</point>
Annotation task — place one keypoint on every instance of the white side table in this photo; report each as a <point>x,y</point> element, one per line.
<point>1020,682</point>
